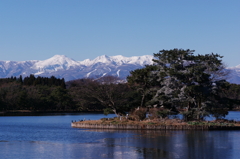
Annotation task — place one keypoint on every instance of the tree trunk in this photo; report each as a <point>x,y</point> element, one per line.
<point>142,101</point>
<point>115,112</point>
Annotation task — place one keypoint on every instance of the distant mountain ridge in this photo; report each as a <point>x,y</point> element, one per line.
<point>62,66</point>
<point>234,76</point>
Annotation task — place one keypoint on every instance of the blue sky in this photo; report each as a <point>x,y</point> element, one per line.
<point>81,29</point>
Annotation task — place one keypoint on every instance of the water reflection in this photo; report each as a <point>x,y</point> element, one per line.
<point>144,144</point>
<point>178,144</point>
<point>52,137</point>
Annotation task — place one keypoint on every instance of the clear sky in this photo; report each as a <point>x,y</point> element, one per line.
<point>81,29</point>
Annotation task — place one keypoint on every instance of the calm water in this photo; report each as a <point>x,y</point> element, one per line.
<point>28,137</point>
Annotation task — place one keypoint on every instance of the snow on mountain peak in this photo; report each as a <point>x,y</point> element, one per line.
<point>234,68</point>
<point>99,59</point>
<point>56,62</point>
<point>139,60</point>
<point>60,59</point>
<point>119,60</point>
<point>102,59</point>
<point>238,66</point>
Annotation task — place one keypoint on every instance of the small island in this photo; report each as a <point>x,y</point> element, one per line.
<point>167,124</point>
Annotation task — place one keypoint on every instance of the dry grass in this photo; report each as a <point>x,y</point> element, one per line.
<point>131,122</point>
<point>124,121</point>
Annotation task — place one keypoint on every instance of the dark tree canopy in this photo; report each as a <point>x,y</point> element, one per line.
<point>189,80</point>
<point>142,80</point>
<point>105,92</point>
<point>180,81</point>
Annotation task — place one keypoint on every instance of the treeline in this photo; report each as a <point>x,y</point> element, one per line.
<point>105,93</point>
<point>32,80</point>
<point>34,94</point>
<point>233,93</point>
<point>53,94</point>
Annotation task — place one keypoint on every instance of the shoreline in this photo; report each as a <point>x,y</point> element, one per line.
<point>169,124</point>
<point>151,127</point>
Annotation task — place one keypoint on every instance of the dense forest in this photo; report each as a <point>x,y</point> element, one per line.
<point>52,94</point>
<point>177,82</point>
<point>34,94</point>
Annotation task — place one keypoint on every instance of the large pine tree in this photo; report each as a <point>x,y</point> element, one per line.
<point>189,81</point>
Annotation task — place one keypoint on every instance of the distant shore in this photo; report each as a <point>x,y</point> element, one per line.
<point>39,112</point>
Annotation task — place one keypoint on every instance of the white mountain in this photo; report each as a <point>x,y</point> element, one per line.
<point>55,63</point>
<point>61,66</point>
<point>234,76</point>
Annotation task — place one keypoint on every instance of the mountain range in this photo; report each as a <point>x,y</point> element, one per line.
<point>62,66</point>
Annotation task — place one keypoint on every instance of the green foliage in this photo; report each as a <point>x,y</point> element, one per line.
<point>196,123</point>
<point>142,80</point>
<point>22,100</point>
<point>209,123</point>
<point>115,122</point>
<point>27,94</point>
<point>219,113</point>
<point>107,111</point>
<point>52,81</point>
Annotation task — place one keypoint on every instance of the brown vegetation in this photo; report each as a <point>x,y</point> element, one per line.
<point>158,122</point>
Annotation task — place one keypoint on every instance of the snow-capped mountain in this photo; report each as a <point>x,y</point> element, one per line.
<point>234,76</point>
<point>61,66</point>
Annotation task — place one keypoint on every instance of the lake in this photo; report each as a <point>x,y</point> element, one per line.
<point>51,136</point>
